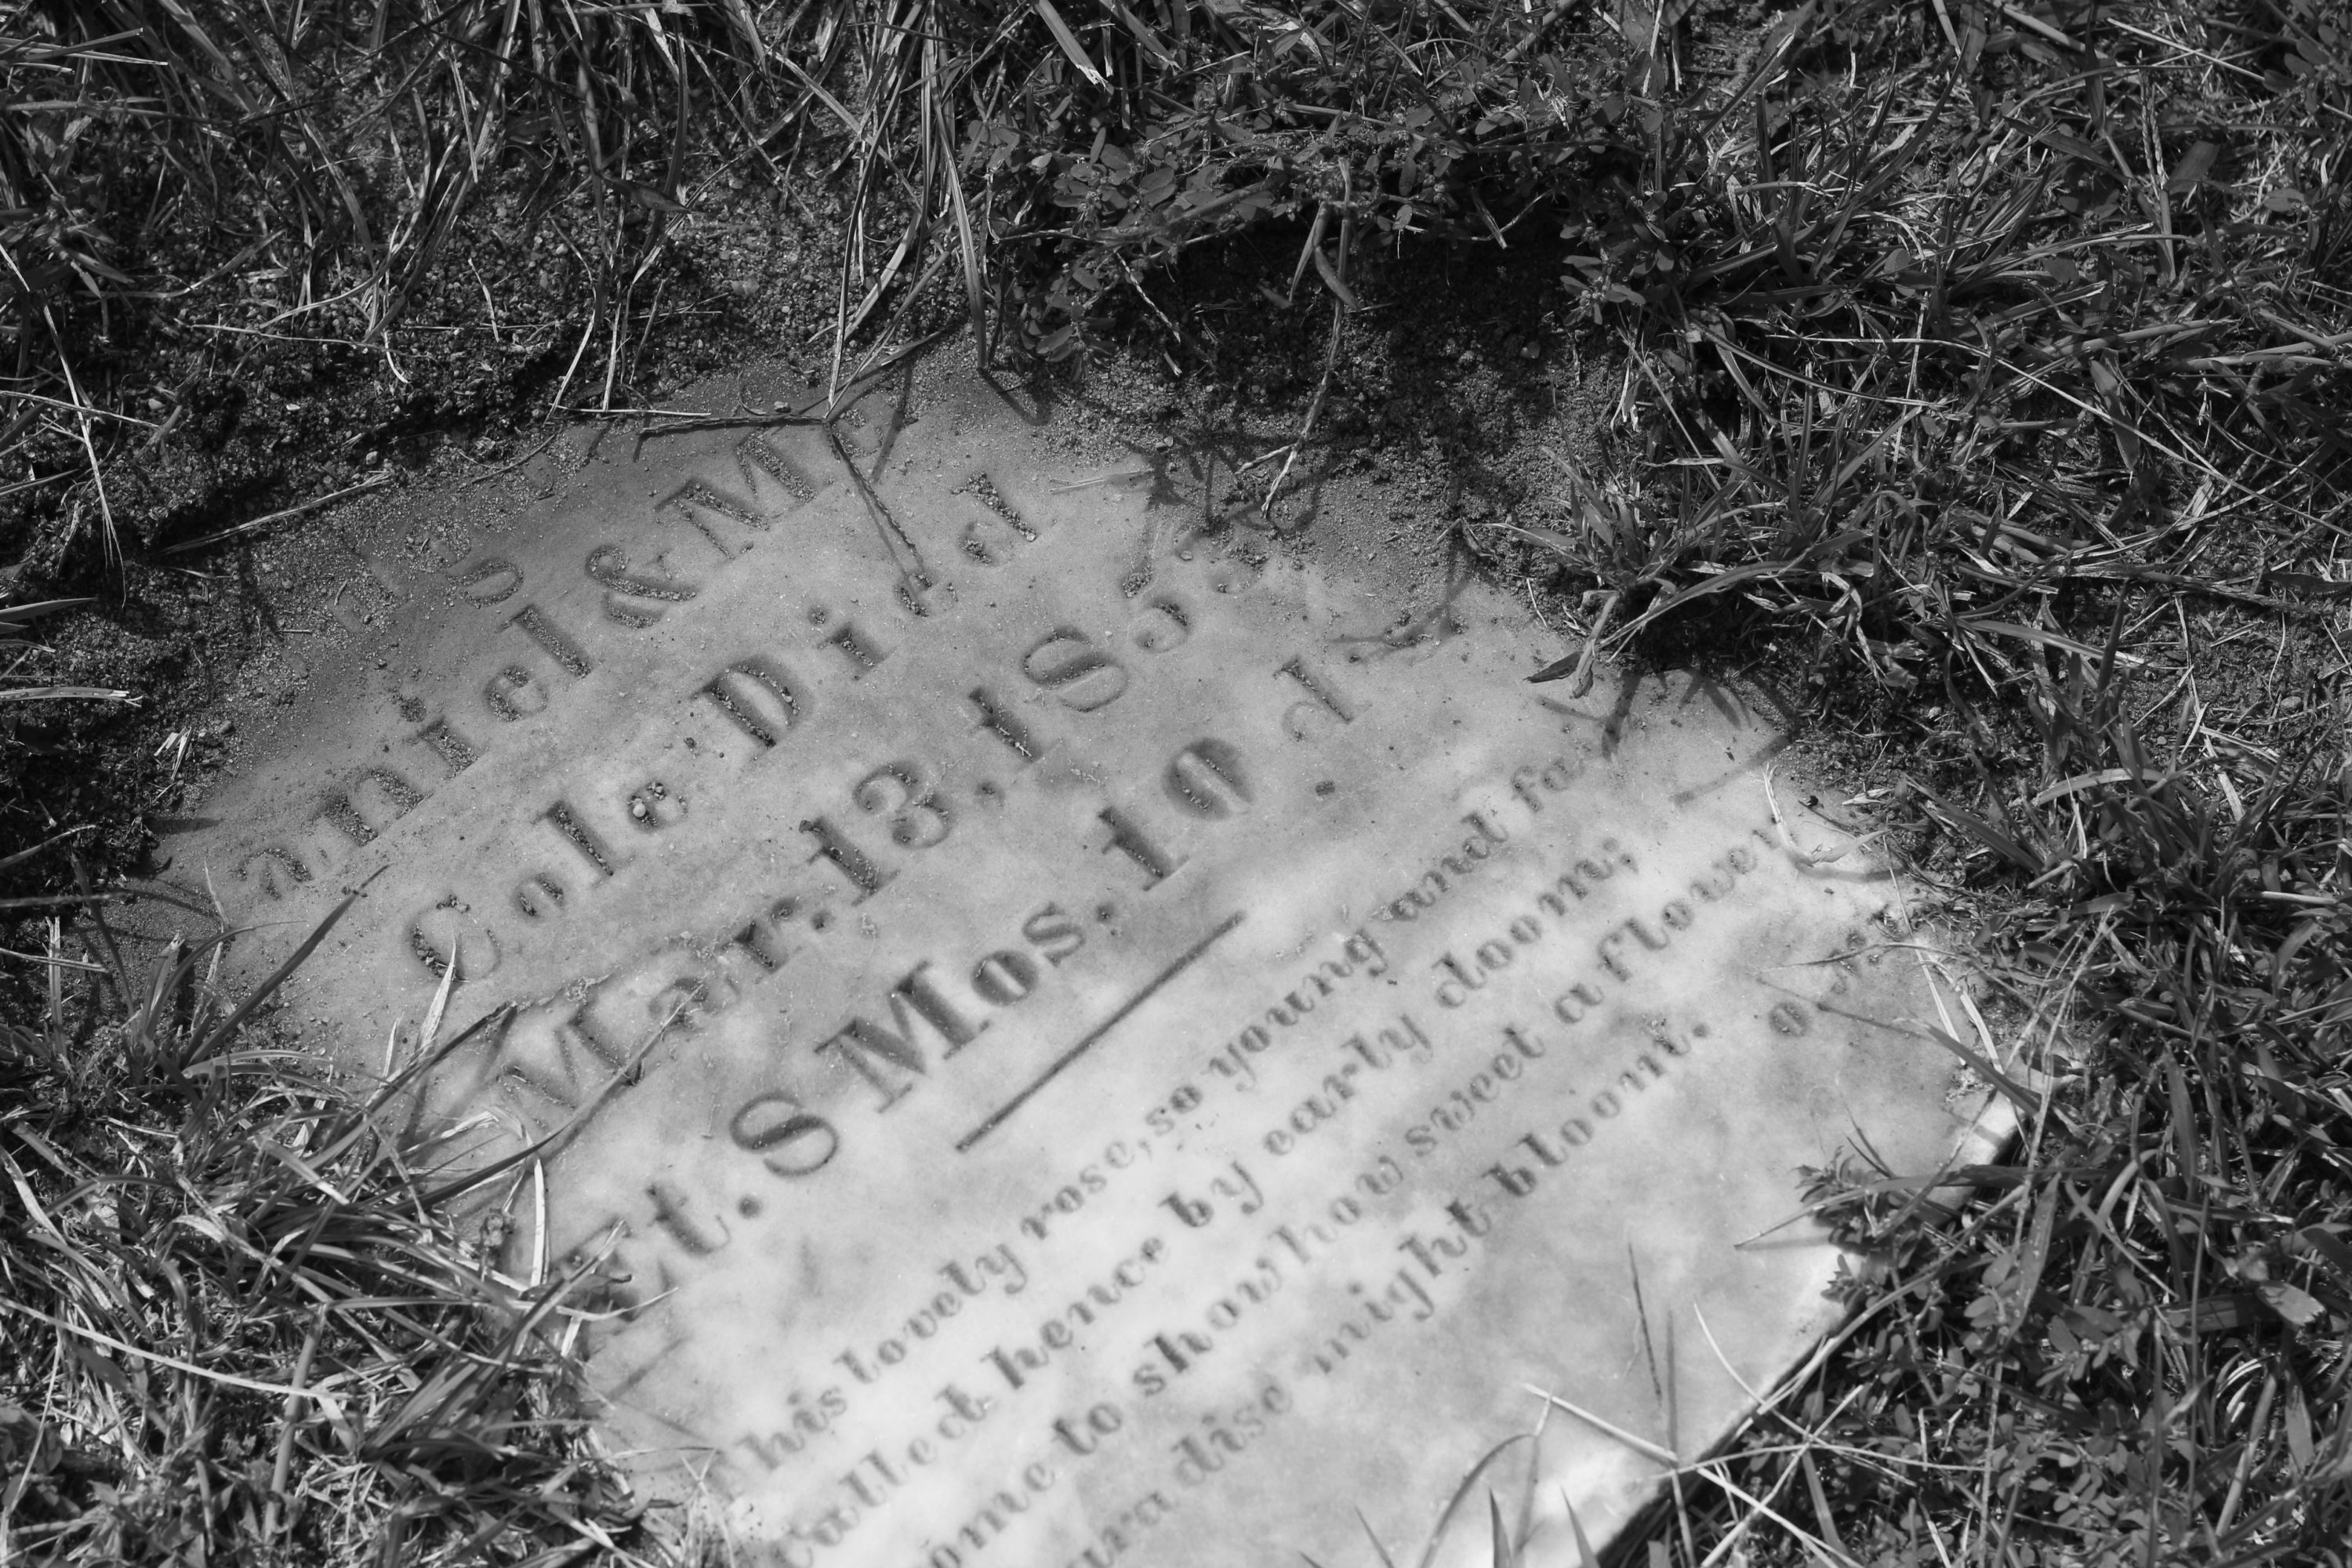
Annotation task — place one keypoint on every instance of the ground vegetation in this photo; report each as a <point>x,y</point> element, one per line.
<point>1975,374</point>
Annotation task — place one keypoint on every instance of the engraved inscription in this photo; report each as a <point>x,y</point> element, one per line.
<point>1052,1035</point>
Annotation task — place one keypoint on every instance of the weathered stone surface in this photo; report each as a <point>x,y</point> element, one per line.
<point>1069,1029</point>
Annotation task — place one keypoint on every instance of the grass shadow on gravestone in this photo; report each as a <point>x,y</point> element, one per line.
<point>236,1329</point>
<point>1508,1539</point>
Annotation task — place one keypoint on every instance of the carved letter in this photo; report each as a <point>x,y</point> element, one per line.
<point>874,1050</point>
<point>277,865</point>
<point>758,697</point>
<point>456,753</point>
<point>490,580</point>
<point>514,693</point>
<point>373,801</point>
<point>1206,779</point>
<point>794,1144</point>
<point>701,507</point>
<point>609,565</point>
<point>1066,661</point>
<point>552,640</point>
<point>1326,701</point>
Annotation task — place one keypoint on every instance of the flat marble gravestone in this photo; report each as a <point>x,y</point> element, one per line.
<point>1066,1033</point>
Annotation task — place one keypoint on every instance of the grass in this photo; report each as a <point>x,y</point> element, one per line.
<point>1972,406</point>
<point>1980,375</point>
<point>298,174</point>
<point>237,1329</point>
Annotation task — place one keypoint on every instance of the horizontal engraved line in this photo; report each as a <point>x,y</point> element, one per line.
<point>1188,957</point>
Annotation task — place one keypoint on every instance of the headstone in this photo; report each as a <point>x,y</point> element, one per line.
<point>1066,1029</point>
